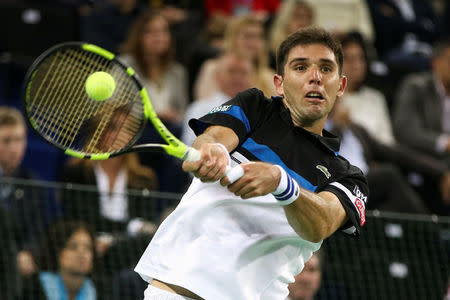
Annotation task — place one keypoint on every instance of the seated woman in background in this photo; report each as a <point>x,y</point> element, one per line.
<point>366,106</point>
<point>149,49</point>
<point>66,260</point>
<point>245,37</point>
<point>110,209</point>
<point>292,15</point>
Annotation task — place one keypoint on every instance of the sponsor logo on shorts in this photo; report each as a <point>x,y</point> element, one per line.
<point>221,108</point>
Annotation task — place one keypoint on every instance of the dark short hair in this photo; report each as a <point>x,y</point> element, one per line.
<point>56,240</point>
<point>356,38</point>
<point>307,36</point>
<point>10,116</point>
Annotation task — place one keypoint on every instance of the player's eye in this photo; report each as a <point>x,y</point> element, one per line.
<point>326,69</point>
<point>301,68</point>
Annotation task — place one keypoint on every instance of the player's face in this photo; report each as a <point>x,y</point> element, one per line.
<point>311,84</point>
<point>12,147</point>
<point>307,283</point>
<point>77,256</point>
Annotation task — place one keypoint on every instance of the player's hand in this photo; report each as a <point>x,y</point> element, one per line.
<point>259,179</point>
<point>212,165</point>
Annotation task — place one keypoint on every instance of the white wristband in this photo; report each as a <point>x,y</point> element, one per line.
<point>288,189</point>
<point>226,151</point>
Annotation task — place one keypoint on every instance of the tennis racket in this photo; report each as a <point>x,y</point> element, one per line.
<point>59,109</point>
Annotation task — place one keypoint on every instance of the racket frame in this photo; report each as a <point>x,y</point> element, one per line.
<point>173,147</point>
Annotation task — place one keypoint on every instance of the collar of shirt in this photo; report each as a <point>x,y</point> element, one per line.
<point>329,140</point>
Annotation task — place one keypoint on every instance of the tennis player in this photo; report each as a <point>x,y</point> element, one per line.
<point>247,241</point>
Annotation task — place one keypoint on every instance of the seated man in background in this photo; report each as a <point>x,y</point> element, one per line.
<point>382,164</point>
<point>422,112</point>
<point>308,282</point>
<point>23,204</point>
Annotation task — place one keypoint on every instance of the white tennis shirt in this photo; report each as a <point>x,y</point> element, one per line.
<point>220,249</point>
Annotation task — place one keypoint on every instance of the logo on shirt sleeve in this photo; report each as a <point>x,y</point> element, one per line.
<point>221,108</point>
<point>357,198</point>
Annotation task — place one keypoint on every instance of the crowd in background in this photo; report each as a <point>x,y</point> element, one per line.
<point>394,119</point>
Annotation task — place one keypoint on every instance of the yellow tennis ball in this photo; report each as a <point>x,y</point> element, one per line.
<point>100,86</point>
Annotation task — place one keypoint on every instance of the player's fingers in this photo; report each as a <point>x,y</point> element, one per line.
<point>220,172</point>
<point>213,174</point>
<point>232,175</point>
<point>237,185</point>
<point>244,190</point>
<point>191,166</point>
<point>252,193</point>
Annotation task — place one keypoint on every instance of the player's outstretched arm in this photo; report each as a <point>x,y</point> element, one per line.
<point>214,144</point>
<point>315,216</point>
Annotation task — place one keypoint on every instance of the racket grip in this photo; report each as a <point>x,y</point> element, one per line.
<point>192,155</point>
<point>235,173</point>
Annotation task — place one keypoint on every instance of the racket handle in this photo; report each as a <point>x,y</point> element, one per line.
<point>233,174</point>
<point>192,154</point>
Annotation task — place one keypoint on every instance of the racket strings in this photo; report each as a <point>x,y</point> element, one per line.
<point>61,124</point>
<point>75,118</point>
<point>56,113</point>
<point>87,108</point>
<point>128,127</point>
<point>60,106</point>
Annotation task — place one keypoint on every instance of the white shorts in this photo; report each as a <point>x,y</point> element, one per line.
<point>154,293</point>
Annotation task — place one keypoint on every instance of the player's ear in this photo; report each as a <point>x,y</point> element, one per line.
<point>342,85</point>
<point>278,82</point>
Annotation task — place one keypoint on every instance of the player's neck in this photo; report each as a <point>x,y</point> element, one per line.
<point>315,127</point>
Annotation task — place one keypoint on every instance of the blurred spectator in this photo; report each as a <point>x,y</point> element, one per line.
<point>110,209</point>
<point>308,282</point>
<point>9,275</point>
<point>67,259</point>
<point>366,106</point>
<point>262,9</point>
<point>25,206</point>
<point>340,16</point>
<point>405,31</point>
<point>122,217</point>
<point>245,37</point>
<point>446,18</point>
<point>422,110</point>
<point>108,25</point>
<point>292,16</point>
<point>149,50</point>
<point>208,45</point>
<point>233,75</point>
<point>186,19</point>
<point>381,163</point>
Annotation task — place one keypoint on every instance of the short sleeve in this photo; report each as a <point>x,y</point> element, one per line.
<point>241,114</point>
<point>352,191</point>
